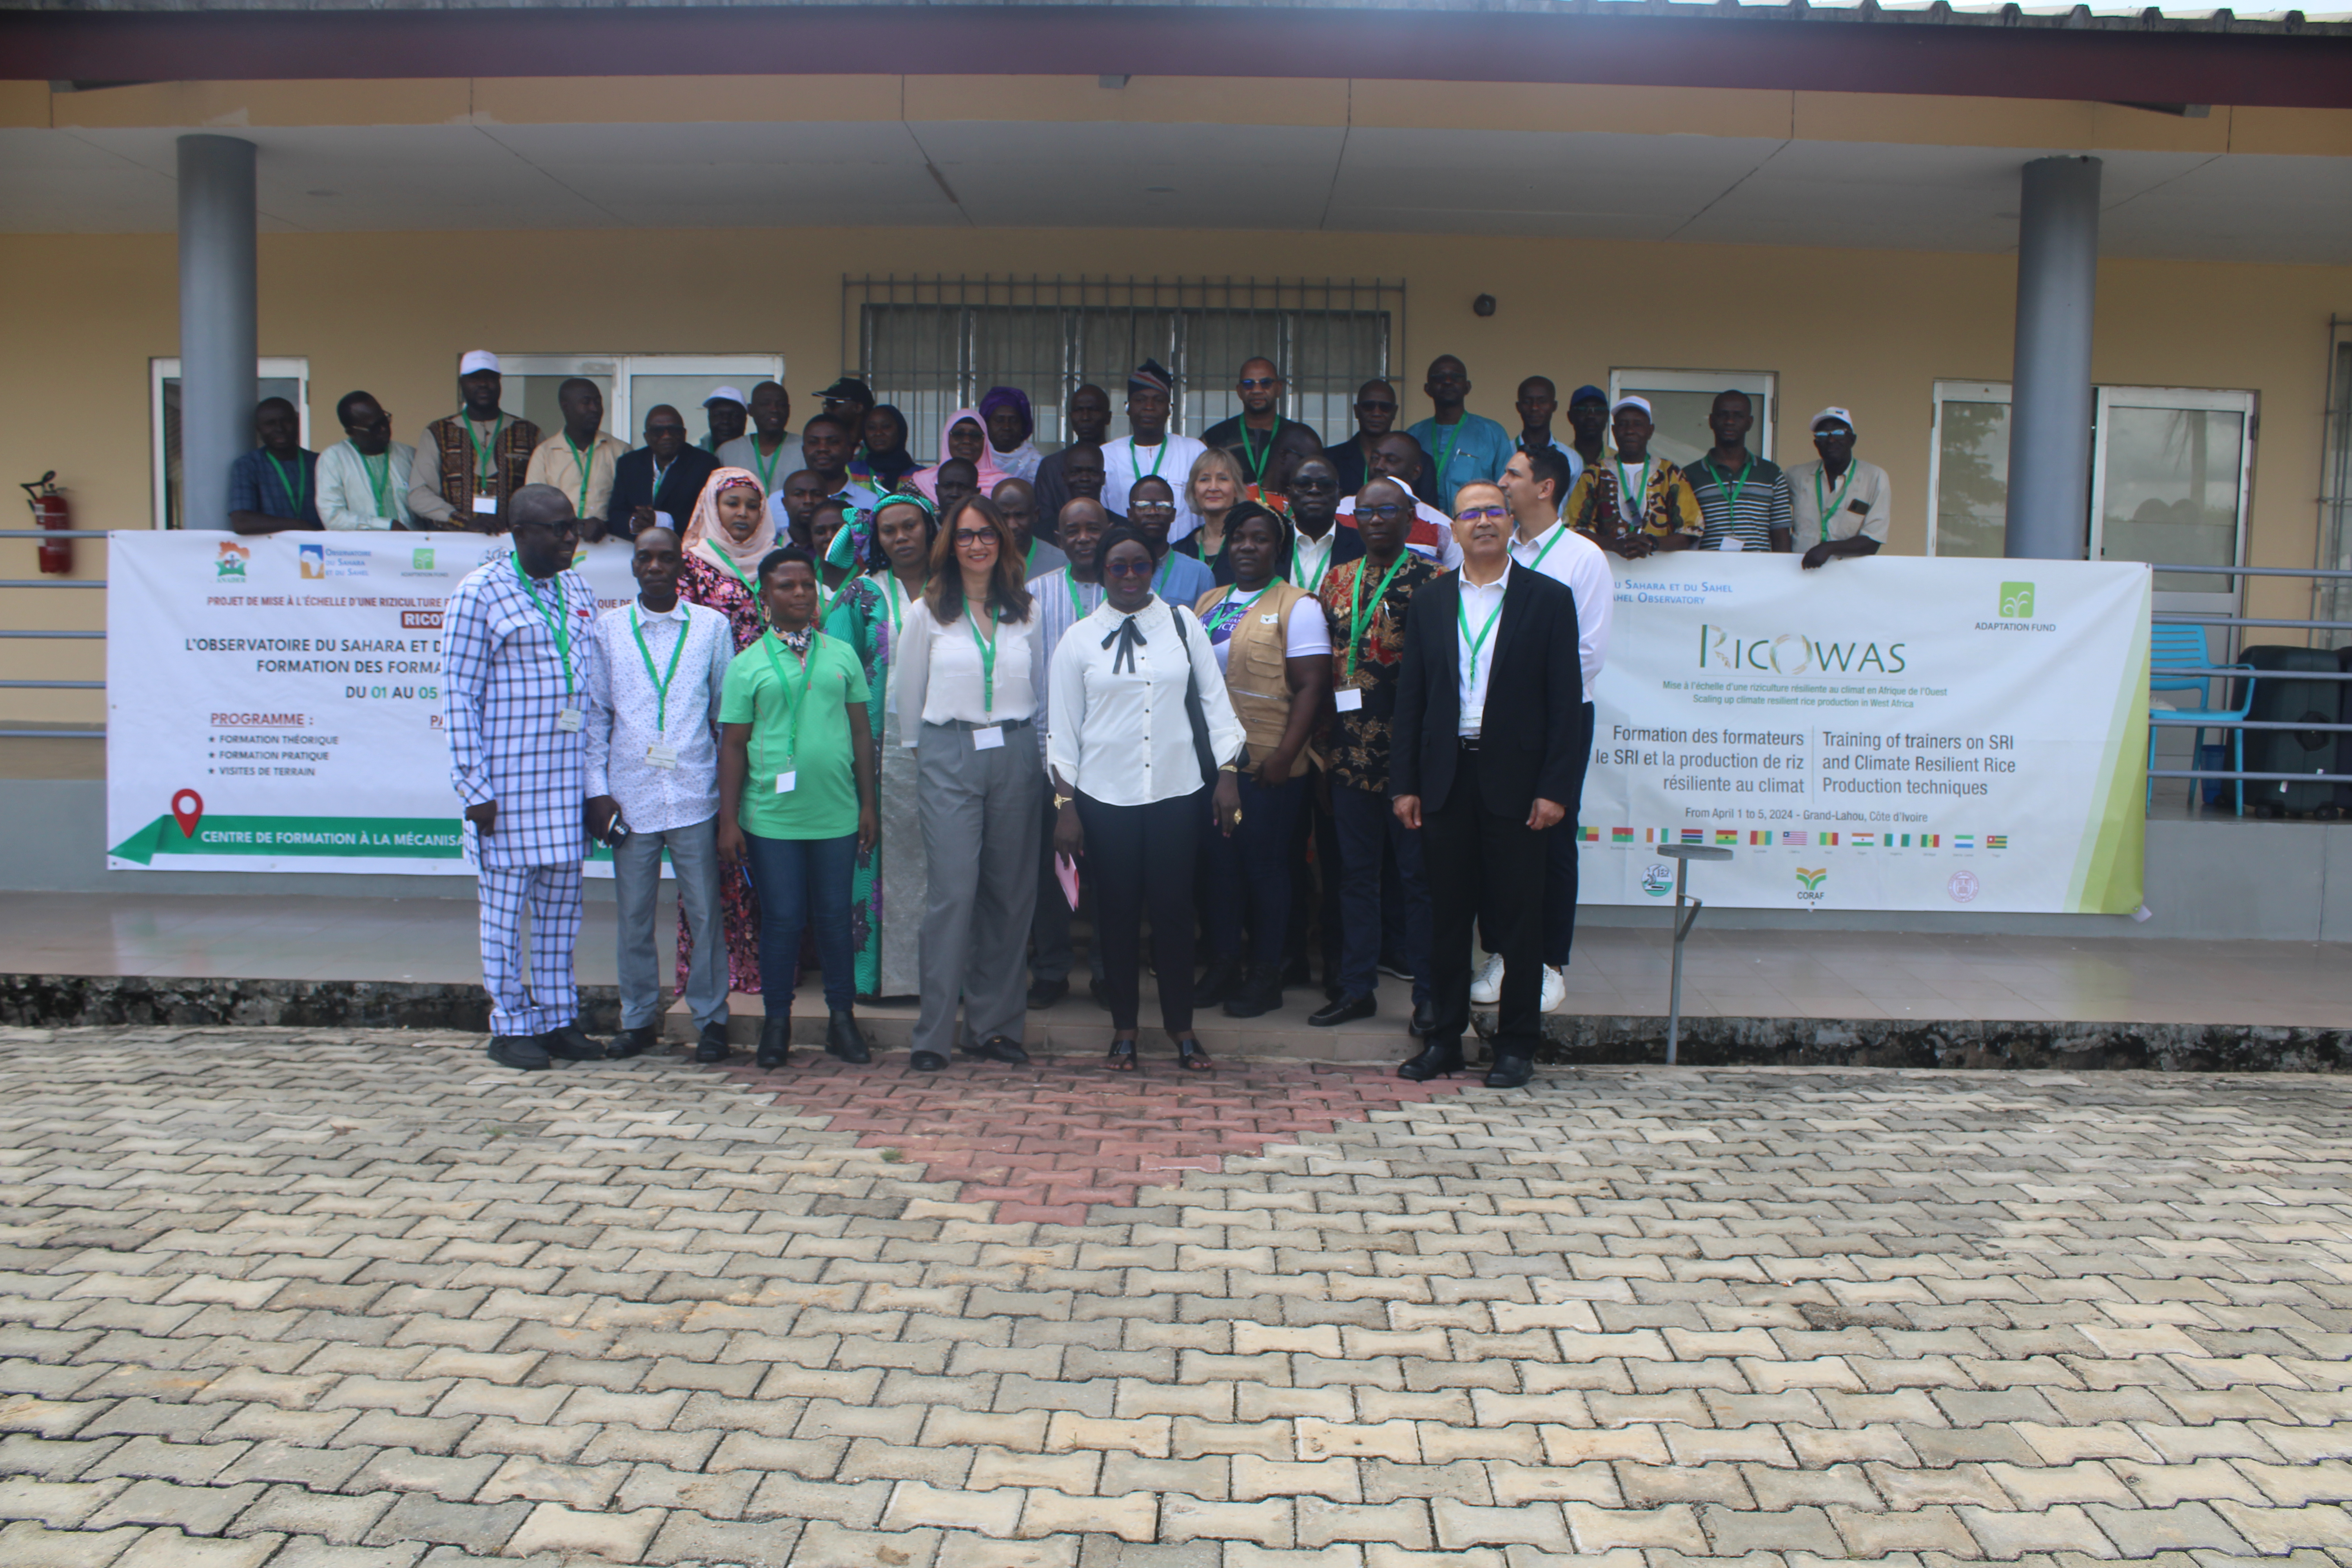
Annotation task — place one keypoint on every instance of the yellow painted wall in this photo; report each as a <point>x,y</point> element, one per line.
<point>390,312</point>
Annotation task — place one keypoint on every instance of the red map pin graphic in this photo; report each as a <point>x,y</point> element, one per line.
<point>187,810</point>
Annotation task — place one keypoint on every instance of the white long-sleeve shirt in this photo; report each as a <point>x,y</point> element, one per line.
<point>1121,735</point>
<point>941,674</point>
<point>347,493</point>
<point>1570,559</point>
<point>627,718</point>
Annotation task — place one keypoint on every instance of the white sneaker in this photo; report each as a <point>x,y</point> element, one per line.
<point>1555,989</point>
<point>1487,989</point>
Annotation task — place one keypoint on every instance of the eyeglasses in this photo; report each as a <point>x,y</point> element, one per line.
<point>1129,568</point>
<point>653,431</point>
<point>966,537</point>
<point>1154,507</point>
<point>1370,407</point>
<point>1385,513</point>
<point>1314,484</point>
<point>1500,514</point>
<point>1251,383</point>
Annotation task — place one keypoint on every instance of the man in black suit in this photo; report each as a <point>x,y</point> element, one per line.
<point>666,476</point>
<point>1483,761</point>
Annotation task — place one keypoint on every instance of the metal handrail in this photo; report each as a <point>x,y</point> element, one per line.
<point>15,634</point>
<point>52,734</point>
<point>2252,571</point>
<point>2250,778</point>
<point>2242,672</point>
<point>54,532</point>
<point>2199,618</point>
<point>54,685</point>
<point>53,583</point>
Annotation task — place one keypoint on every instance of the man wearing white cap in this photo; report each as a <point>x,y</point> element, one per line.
<point>723,414</point>
<point>1634,500</point>
<point>1841,503</point>
<point>470,464</point>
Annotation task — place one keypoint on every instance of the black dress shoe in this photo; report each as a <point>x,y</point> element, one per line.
<point>522,1052</point>
<point>1346,1010</point>
<point>571,1042</point>
<point>1510,1072</point>
<point>1046,992</point>
<point>775,1041</point>
<point>1259,993</point>
<point>999,1049</point>
<point>1221,980</point>
<point>1425,1019</point>
<point>927,1062</point>
<point>1437,1060</point>
<point>842,1038</point>
<point>634,1042</point>
<point>712,1045</point>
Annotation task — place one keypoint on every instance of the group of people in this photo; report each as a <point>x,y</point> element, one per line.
<point>1255,693</point>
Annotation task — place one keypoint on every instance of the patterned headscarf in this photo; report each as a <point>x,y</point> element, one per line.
<point>1021,462</point>
<point>991,475</point>
<point>858,546</point>
<point>1151,374</point>
<point>707,537</point>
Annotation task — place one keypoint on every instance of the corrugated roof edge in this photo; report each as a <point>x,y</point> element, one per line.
<point>1939,13</point>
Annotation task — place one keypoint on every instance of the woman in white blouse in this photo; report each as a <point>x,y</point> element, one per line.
<point>1138,727</point>
<point>970,664</point>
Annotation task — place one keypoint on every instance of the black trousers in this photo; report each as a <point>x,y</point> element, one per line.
<point>1560,857</point>
<point>1142,858</point>
<point>1482,867</point>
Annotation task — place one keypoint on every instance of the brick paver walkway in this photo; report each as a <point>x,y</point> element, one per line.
<point>323,1299</point>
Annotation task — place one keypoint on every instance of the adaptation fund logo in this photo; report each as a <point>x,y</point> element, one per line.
<point>2017,601</point>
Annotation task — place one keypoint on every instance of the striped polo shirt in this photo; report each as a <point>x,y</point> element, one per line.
<point>1747,504</point>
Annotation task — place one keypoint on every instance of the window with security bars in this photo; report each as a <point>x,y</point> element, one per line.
<point>931,346</point>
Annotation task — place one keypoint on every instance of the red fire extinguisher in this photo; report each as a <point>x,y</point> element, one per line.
<point>50,511</point>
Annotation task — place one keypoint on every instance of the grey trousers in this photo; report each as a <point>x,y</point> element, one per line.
<point>981,822</point>
<point>636,878</point>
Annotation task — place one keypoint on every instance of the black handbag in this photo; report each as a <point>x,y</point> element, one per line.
<point>1192,710</point>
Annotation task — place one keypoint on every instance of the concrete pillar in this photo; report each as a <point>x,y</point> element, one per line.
<point>218,341</point>
<point>2049,402</point>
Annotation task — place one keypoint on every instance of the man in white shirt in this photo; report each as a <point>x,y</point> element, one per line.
<point>579,458</point>
<point>1064,596</point>
<point>1150,447</point>
<point>363,478</point>
<point>1535,481</point>
<point>652,765</point>
<point>1840,506</point>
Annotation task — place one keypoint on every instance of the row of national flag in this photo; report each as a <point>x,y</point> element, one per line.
<point>1792,839</point>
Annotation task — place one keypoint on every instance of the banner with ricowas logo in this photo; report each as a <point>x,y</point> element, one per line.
<point>1888,734</point>
<point>273,703</point>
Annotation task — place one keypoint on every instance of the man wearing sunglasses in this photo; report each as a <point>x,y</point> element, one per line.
<point>1353,460</point>
<point>1483,761</point>
<point>1250,435</point>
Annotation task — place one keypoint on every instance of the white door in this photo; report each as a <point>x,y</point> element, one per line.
<point>277,378</point>
<point>1967,470</point>
<point>2170,472</point>
<point>1680,401</point>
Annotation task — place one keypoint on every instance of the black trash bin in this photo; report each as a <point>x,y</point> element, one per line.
<point>2281,698</point>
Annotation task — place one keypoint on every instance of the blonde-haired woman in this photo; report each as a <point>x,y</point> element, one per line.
<point>1212,489</point>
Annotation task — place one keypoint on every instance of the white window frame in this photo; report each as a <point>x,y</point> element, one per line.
<point>620,414</point>
<point>1761,440</point>
<point>1952,391</point>
<point>296,368</point>
<point>2182,397</point>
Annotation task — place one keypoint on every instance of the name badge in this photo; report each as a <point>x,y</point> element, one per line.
<point>786,782</point>
<point>1274,618</point>
<point>988,740</point>
<point>1729,545</point>
<point>486,506</point>
<point>1349,698</point>
<point>570,719</point>
<point>660,756</point>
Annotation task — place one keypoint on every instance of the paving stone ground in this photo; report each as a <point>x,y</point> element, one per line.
<point>311,1299</point>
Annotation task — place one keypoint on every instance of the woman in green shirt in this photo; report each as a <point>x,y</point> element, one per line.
<point>796,798</point>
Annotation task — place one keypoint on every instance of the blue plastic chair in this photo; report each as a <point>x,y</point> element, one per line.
<point>2176,648</point>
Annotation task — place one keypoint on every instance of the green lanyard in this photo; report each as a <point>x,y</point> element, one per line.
<point>1230,610</point>
<point>767,469</point>
<point>1077,610</point>
<point>1250,454</point>
<point>1733,486</point>
<point>1829,509</point>
<point>1463,611</point>
<point>1159,455</point>
<point>1559,532</point>
<point>486,461</point>
<point>1298,558</point>
<point>759,611</point>
<point>987,661</point>
<point>890,608</point>
<point>792,740</point>
<point>1359,617</point>
<point>1641,512</point>
<point>380,483</point>
<point>661,682</point>
<point>580,461</point>
<point>1445,454</point>
<point>285,476</point>
<point>1160,578</point>
<point>555,626</point>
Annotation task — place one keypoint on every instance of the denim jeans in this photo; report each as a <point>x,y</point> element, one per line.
<point>1368,829</point>
<point>803,883</point>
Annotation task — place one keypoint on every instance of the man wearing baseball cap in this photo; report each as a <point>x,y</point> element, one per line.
<point>1841,505</point>
<point>1634,500</point>
<point>723,415</point>
<point>470,464</point>
<point>1588,421</point>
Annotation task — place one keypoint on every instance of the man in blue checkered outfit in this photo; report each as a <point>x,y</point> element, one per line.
<point>518,651</point>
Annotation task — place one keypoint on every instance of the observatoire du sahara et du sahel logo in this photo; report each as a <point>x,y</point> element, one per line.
<point>229,564</point>
<point>2017,601</point>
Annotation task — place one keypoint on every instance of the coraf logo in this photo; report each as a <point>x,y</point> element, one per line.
<point>1792,653</point>
<point>230,562</point>
<point>2017,601</point>
<point>1809,883</point>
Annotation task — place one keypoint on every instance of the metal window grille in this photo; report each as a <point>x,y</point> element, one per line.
<point>934,345</point>
<point>2335,595</point>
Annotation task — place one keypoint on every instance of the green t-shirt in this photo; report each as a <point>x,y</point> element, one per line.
<point>823,801</point>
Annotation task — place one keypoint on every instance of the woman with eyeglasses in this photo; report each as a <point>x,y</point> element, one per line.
<point>1179,578</point>
<point>888,892</point>
<point>970,664</point>
<point>1214,488</point>
<point>1142,744</point>
<point>1273,645</point>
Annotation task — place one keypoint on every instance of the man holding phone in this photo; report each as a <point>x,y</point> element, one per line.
<point>653,778</point>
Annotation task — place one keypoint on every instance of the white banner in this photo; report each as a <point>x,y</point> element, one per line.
<point>273,703</point>
<point>1888,734</point>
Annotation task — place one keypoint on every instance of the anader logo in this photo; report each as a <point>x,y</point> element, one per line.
<point>1792,653</point>
<point>2017,601</point>
<point>230,562</point>
<point>1811,882</point>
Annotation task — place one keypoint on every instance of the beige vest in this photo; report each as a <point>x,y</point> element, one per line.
<point>1257,678</point>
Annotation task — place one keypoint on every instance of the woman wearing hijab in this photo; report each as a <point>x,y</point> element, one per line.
<point>1005,414</point>
<point>890,886</point>
<point>885,462</point>
<point>965,435</point>
<point>731,533</point>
